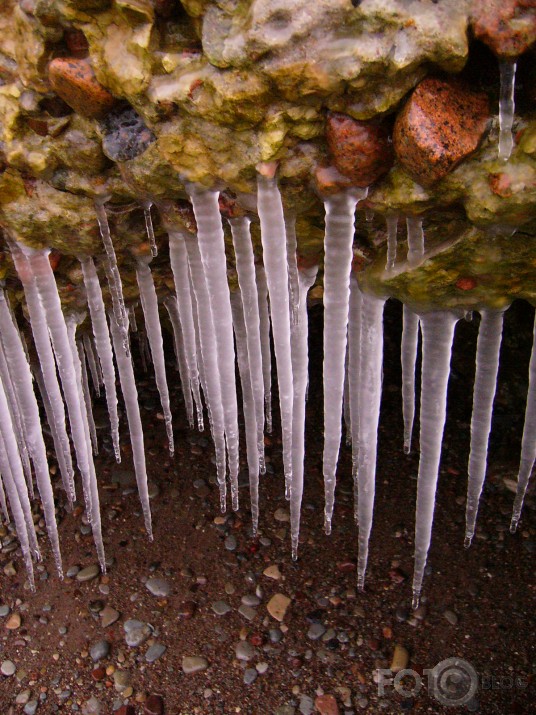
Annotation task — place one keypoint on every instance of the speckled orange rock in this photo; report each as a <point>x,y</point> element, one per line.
<point>74,81</point>
<point>441,124</point>
<point>326,705</point>
<point>360,150</point>
<point>508,27</point>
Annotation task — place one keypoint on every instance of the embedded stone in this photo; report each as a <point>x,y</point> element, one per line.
<point>508,27</point>
<point>74,81</point>
<point>442,123</point>
<point>277,606</point>
<point>400,659</point>
<point>194,664</point>
<point>360,150</point>
<point>326,705</point>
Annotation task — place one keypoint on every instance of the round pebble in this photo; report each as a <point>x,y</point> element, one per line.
<point>220,608</point>
<point>4,611</point>
<point>89,573</point>
<point>194,664</point>
<point>155,652</point>
<point>8,668</point>
<point>158,587</point>
<point>99,650</point>
<point>230,542</point>
<point>244,651</point>
<point>250,675</point>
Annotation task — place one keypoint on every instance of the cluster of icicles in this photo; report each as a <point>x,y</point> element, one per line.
<point>208,322</point>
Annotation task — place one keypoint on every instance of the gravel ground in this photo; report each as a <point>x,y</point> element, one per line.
<point>199,600</point>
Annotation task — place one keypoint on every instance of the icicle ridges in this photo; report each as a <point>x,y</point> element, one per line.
<point>264,319</point>
<point>415,240</point>
<point>173,311</point>
<point>506,108</point>
<point>408,356</point>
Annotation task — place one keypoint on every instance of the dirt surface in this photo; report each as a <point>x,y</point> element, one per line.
<point>478,604</point>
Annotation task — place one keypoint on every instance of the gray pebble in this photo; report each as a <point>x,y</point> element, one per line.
<point>99,650</point>
<point>136,632</point>
<point>194,664</point>
<point>8,668</point>
<point>244,651</point>
<point>230,542</point>
<point>72,571</point>
<point>250,676</point>
<point>30,707</point>
<point>4,611</point>
<point>220,608</point>
<point>276,635</point>
<point>451,617</point>
<point>89,573</point>
<point>250,600</point>
<point>247,612</point>
<point>316,631</point>
<point>155,652</point>
<point>306,705</point>
<point>158,587</point>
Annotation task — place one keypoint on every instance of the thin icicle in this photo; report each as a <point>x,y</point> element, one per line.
<point>408,357</point>
<point>437,335</point>
<point>270,208</point>
<point>245,267</point>
<point>103,345</point>
<point>132,319</point>
<point>212,248</point>
<point>248,401</point>
<point>346,402</point>
<point>87,398</point>
<point>209,354</point>
<point>354,361</point>
<point>130,396</point>
<point>264,319</point>
<point>173,311</point>
<point>292,262</point>
<point>528,442</point>
<point>392,225</point>
<point>25,531</point>
<point>415,240</point>
<point>487,366</point>
<point>94,367</point>
<point>506,108</point>
<point>149,304</point>
<point>39,265</point>
<point>199,354</point>
<point>149,227</point>
<point>3,502</point>
<point>112,274</point>
<point>338,242</point>
<point>23,383</point>
<point>179,265</point>
<point>300,372</point>
<point>369,399</point>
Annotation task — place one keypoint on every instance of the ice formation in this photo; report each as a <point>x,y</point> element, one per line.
<point>208,316</point>
<point>506,108</point>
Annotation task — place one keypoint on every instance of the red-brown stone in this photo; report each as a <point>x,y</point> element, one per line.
<point>508,27</point>
<point>441,124</point>
<point>500,184</point>
<point>126,710</point>
<point>466,283</point>
<point>326,705</point>
<point>76,42</point>
<point>360,150</point>
<point>75,82</point>
<point>328,181</point>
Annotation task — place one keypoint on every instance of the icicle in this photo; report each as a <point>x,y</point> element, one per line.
<point>264,319</point>
<point>3,502</point>
<point>132,319</point>
<point>179,265</point>
<point>103,345</point>
<point>292,263</point>
<point>210,373</point>
<point>39,265</point>
<point>270,208</point>
<point>346,402</point>
<point>506,108</point>
<point>112,274</point>
<point>130,396</point>
<point>250,418</point>
<point>528,442</point>
<point>96,376</point>
<point>87,398</point>
<point>22,382</point>
<point>487,366</point>
<point>245,267</point>
<point>173,312</point>
<point>25,531</point>
<point>199,354</point>
<point>149,226</point>
<point>212,248</point>
<point>354,359</point>
<point>338,242</point>
<point>149,304</point>
<point>415,240</point>
<point>369,398</point>
<point>392,225</point>
<point>300,371</point>
<point>408,355</point>
<point>38,323</point>
<point>437,335</point>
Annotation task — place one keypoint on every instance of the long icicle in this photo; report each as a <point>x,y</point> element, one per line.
<point>248,402</point>
<point>171,306</point>
<point>212,248</point>
<point>179,265</point>
<point>87,397</point>
<point>528,442</point>
<point>130,397</point>
<point>339,238</point>
<point>39,265</point>
<point>23,383</point>
<point>94,367</point>
<point>293,280</point>
<point>487,367</point>
<point>415,240</point>
<point>3,501</point>
<point>112,274</point>
<point>103,345</point>
<point>437,335</point>
<point>506,108</point>
<point>370,392</point>
<point>270,208</point>
<point>264,320</point>
<point>408,359</point>
<point>300,372</point>
<point>199,354</point>
<point>149,304</point>
<point>354,362</point>
<point>245,267</point>
<point>210,361</point>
